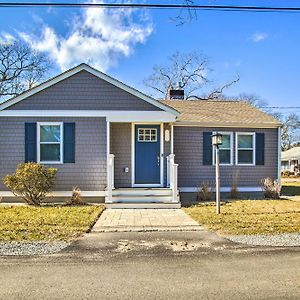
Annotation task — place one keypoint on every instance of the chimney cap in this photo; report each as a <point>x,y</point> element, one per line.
<point>177,94</point>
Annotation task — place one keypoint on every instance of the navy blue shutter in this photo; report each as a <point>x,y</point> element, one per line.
<point>260,148</point>
<point>207,148</point>
<point>69,142</point>
<point>30,142</point>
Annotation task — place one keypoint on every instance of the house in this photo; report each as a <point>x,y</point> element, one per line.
<point>127,149</point>
<point>290,160</point>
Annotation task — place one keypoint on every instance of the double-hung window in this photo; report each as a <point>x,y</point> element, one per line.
<point>245,148</point>
<point>225,149</point>
<point>50,142</point>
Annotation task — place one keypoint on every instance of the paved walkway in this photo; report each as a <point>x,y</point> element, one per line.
<point>114,220</point>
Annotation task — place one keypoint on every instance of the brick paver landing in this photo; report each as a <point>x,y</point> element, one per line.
<point>114,220</point>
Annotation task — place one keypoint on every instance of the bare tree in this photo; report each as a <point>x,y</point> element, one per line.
<point>20,68</point>
<point>252,99</point>
<point>290,135</point>
<point>190,71</point>
<point>186,13</point>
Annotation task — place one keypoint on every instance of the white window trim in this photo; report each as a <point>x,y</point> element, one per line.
<point>253,148</point>
<point>39,124</point>
<point>144,134</point>
<point>231,148</point>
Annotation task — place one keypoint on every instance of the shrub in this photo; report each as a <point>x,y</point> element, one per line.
<point>204,192</point>
<point>287,173</point>
<point>31,182</point>
<point>76,197</point>
<point>271,188</point>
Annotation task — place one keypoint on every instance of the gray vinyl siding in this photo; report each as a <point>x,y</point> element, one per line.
<point>188,148</point>
<point>89,170</point>
<point>83,91</point>
<point>120,134</point>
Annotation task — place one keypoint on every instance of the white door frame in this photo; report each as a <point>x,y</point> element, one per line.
<point>161,162</point>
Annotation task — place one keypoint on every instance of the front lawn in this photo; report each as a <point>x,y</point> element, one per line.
<point>27,223</point>
<point>249,217</point>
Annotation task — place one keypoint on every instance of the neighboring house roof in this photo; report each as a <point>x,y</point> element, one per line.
<point>293,153</point>
<point>221,113</point>
<point>93,71</point>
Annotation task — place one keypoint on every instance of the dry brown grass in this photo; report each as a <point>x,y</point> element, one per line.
<point>28,223</point>
<point>249,217</point>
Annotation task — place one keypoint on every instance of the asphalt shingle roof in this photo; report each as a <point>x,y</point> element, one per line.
<point>293,153</point>
<point>220,113</point>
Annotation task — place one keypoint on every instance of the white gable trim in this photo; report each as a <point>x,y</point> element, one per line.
<point>110,115</point>
<point>84,67</point>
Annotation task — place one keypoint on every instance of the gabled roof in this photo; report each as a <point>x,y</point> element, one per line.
<point>221,113</point>
<point>293,153</point>
<point>101,75</point>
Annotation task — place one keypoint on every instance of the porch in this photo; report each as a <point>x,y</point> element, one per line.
<point>141,168</point>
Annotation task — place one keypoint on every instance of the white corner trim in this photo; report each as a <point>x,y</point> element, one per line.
<point>111,115</point>
<point>223,189</point>
<point>279,156</point>
<point>62,194</point>
<point>95,72</point>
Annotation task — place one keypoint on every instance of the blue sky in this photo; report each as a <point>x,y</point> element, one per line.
<point>262,47</point>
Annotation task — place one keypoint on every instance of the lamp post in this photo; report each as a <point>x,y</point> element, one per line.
<point>216,139</point>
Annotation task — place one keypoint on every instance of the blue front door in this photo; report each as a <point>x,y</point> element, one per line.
<point>147,154</point>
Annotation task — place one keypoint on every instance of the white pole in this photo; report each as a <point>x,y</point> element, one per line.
<point>217,181</point>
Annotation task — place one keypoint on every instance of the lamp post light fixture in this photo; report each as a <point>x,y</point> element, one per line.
<point>216,140</point>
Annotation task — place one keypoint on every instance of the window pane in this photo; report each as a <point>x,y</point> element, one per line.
<point>50,152</point>
<point>50,133</point>
<point>224,156</point>
<point>245,156</point>
<point>225,141</point>
<point>245,141</point>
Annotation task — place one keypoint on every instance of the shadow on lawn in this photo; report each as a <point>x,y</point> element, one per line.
<point>290,190</point>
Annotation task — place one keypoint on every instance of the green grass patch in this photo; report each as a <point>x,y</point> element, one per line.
<point>249,217</point>
<point>27,223</point>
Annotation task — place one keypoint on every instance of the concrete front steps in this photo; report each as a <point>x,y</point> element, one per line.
<point>143,198</point>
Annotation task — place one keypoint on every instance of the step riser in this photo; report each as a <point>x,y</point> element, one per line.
<point>141,200</point>
<point>142,205</point>
<point>142,193</point>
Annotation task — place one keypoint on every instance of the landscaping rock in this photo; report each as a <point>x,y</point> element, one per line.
<point>31,248</point>
<point>284,239</point>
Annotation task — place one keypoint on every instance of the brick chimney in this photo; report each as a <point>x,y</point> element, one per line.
<point>176,93</point>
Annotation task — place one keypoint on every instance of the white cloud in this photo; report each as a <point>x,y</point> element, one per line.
<point>259,37</point>
<point>6,38</point>
<point>99,36</point>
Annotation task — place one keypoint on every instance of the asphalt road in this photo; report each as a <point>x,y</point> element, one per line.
<point>154,266</point>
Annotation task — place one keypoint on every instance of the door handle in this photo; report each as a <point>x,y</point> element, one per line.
<point>158,160</point>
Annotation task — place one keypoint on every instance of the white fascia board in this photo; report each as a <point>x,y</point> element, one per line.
<point>62,194</point>
<point>225,125</point>
<point>95,72</point>
<point>111,115</point>
<point>223,189</point>
<point>138,116</point>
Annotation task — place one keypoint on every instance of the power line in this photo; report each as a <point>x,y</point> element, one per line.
<point>153,6</point>
<point>282,107</point>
